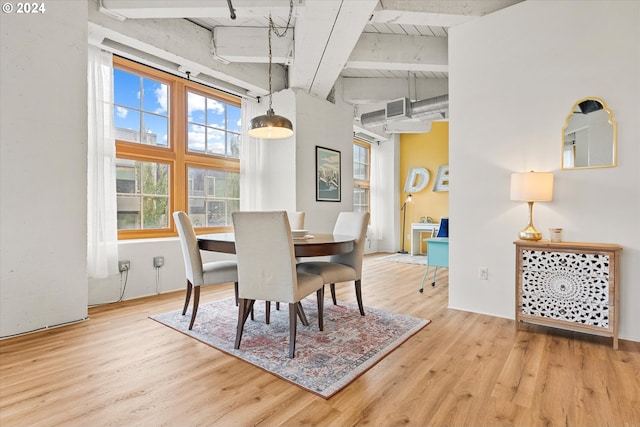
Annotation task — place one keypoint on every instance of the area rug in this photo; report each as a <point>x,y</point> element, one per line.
<point>325,361</point>
<point>406,258</point>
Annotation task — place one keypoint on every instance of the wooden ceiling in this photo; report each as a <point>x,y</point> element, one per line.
<point>375,50</point>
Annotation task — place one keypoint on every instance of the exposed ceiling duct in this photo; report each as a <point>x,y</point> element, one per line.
<point>430,107</point>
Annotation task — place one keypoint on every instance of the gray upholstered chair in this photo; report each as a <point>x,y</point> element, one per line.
<point>199,273</point>
<point>343,267</point>
<point>267,269</point>
<point>296,220</point>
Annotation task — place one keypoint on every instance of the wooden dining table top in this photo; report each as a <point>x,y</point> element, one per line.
<point>319,244</point>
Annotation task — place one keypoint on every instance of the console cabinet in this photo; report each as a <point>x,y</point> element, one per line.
<point>568,285</point>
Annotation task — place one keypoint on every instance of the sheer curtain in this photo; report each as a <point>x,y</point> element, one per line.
<point>375,189</point>
<point>251,161</point>
<point>569,155</point>
<point>102,226</point>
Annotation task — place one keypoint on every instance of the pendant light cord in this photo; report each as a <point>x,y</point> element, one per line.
<point>272,28</point>
<point>270,56</point>
<point>232,11</point>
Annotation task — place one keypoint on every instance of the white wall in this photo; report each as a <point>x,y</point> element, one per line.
<point>267,166</point>
<point>43,128</point>
<point>321,123</point>
<point>143,278</point>
<point>512,84</point>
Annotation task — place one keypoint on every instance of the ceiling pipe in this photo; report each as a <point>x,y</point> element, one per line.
<point>418,109</point>
<point>373,118</point>
<point>429,106</point>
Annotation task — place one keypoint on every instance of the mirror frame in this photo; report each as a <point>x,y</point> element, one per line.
<point>614,161</point>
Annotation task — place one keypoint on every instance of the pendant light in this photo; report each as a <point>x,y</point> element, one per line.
<point>271,125</point>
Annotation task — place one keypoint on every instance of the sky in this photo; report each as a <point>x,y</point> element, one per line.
<point>143,102</point>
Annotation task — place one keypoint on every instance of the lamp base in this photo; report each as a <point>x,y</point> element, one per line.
<point>530,233</point>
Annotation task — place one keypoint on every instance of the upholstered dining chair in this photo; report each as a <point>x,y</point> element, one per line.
<point>267,269</point>
<point>343,267</point>
<point>296,220</point>
<point>199,273</point>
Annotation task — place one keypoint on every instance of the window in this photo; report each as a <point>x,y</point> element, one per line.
<point>177,148</point>
<point>361,174</point>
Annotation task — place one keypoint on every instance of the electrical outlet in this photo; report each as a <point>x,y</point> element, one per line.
<point>483,273</point>
<point>124,265</point>
<point>158,261</point>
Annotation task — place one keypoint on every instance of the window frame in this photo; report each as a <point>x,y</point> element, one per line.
<point>364,183</point>
<point>176,154</point>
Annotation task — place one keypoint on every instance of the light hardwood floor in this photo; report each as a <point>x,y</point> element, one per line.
<point>122,369</point>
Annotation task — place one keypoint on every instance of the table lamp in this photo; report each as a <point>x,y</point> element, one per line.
<point>531,187</point>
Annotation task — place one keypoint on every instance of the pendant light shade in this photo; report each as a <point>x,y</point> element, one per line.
<point>270,126</point>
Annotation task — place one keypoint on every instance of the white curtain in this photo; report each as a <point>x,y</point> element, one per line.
<point>102,226</point>
<point>375,194</point>
<point>569,156</point>
<point>251,161</point>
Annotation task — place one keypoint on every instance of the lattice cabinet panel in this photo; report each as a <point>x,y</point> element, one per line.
<point>568,285</point>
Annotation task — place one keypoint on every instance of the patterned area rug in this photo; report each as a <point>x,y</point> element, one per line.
<point>325,361</point>
<point>407,258</point>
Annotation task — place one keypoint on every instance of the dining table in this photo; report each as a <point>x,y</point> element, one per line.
<point>312,245</point>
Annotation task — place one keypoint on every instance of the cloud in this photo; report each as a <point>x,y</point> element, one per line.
<point>200,140</point>
<point>216,106</point>
<point>121,112</point>
<point>161,98</point>
<point>196,138</point>
<point>194,103</point>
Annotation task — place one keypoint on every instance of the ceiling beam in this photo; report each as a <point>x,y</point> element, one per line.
<point>326,33</point>
<point>245,9</point>
<point>447,7</point>
<point>402,17</point>
<point>398,52</point>
<point>242,44</point>
<point>189,46</point>
<point>434,13</point>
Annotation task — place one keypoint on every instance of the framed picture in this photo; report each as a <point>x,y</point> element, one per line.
<point>442,179</point>
<point>327,175</point>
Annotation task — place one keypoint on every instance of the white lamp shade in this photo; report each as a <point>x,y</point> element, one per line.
<point>532,186</point>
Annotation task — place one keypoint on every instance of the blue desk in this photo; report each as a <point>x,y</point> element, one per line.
<point>437,256</point>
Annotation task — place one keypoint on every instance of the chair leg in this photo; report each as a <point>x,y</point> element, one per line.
<point>196,301</point>
<point>235,288</point>
<point>333,293</point>
<point>303,316</point>
<point>293,320</point>
<point>267,308</point>
<point>277,305</point>
<point>188,297</point>
<point>359,297</point>
<point>320,295</point>
<point>434,277</point>
<point>245,306</point>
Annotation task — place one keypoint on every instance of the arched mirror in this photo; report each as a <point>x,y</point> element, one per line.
<point>589,136</point>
